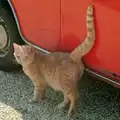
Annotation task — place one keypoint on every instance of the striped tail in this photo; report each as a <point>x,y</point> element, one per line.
<point>88,43</point>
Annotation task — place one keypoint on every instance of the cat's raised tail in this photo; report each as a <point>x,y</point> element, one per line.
<point>88,43</point>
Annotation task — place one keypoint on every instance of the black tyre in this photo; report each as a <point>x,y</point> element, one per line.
<point>8,35</point>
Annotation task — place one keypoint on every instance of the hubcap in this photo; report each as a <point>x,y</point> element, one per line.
<point>3,37</point>
<point>4,41</point>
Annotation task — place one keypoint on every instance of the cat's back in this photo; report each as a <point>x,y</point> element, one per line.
<point>58,61</point>
<point>52,58</point>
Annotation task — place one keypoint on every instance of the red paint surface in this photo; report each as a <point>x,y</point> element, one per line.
<point>39,21</point>
<point>60,25</point>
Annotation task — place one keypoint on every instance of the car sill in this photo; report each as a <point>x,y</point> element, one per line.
<point>102,77</point>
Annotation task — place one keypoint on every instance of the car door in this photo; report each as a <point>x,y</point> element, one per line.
<point>104,57</point>
<point>73,26</point>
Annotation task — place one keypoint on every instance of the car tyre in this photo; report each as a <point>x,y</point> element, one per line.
<point>8,35</point>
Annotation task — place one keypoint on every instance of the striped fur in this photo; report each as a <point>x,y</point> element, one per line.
<point>88,43</point>
<point>56,70</point>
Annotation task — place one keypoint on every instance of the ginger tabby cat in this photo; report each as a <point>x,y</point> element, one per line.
<point>60,71</point>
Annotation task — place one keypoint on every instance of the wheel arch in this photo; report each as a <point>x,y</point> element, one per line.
<point>7,4</point>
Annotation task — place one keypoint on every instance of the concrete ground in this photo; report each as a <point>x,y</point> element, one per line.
<point>98,100</point>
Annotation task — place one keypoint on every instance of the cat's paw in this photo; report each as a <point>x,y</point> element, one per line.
<point>36,100</point>
<point>32,101</point>
<point>61,106</point>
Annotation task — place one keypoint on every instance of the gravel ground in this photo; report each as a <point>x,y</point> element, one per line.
<point>98,100</point>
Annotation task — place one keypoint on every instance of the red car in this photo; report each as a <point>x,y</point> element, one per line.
<point>59,25</point>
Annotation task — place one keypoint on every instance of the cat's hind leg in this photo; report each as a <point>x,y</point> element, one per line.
<point>72,96</point>
<point>64,103</point>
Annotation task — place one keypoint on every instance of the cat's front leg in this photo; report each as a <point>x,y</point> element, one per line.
<point>39,94</point>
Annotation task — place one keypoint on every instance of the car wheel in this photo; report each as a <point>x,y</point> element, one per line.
<point>8,35</point>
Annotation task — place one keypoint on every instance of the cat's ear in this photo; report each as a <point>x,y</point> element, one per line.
<point>31,49</point>
<point>15,46</point>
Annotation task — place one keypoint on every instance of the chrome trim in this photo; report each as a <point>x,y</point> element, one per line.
<point>22,36</point>
<point>100,76</point>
